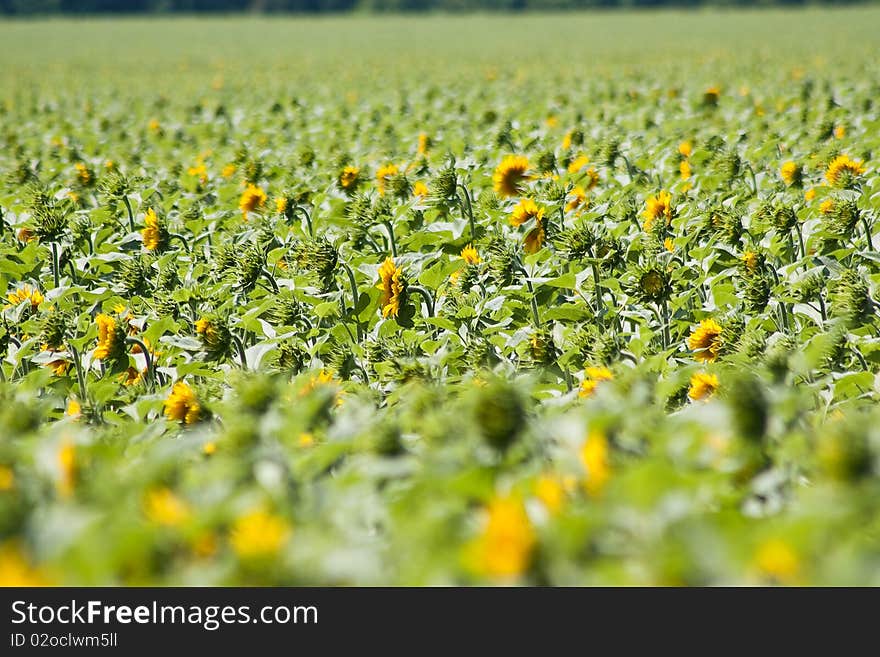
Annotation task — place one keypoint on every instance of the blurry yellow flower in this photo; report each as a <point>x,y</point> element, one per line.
<point>685,149</point>
<point>25,293</point>
<point>469,255</point>
<point>281,205</point>
<point>199,171</point>
<point>791,173</point>
<point>384,174</point>
<point>424,143</point>
<point>534,240</point>
<point>684,168</point>
<point>595,461</point>
<point>843,169</point>
<point>810,194</point>
<point>7,478</point>
<point>163,507</point>
<point>777,560</point>
<point>67,468</point>
<point>578,199</point>
<point>182,404</point>
<point>702,386</point>
<point>154,126</point>
<point>252,199</point>
<point>705,341</point>
<point>840,131</point>
<point>209,448</point>
<point>504,549</point>
<point>551,491</point>
<point>593,376</point>
<point>83,173</point>
<point>510,174</point>
<point>750,260</point>
<point>106,336</point>
<point>668,244</point>
<point>228,171</point>
<point>259,535</point>
<point>392,285</point>
<point>132,376</point>
<point>322,378</point>
<point>526,209</point>
<point>657,207</point>
<point>151,234</point>
<point>420,189</point>
<point>349,177</point>
<point>15,570</point>
<point>566,140</point>
<point>306,439</point>
<point>827,206</point>
<point>551,121</point>
<point>578,163</point>
<point>58,367</point>
<point>74,409</point>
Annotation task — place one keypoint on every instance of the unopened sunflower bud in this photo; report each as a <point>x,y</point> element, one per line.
<point>499,413</point>
<point>501,261</point>
<point>317,257</point>
<point>547,162</point>
<point>55,326</point>
<point>850,300</point>
<point>133,275</point>
<point>215,336</point>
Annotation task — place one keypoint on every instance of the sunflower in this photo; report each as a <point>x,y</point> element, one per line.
<point>656,207</point>
<point>750,260</point>
<point>393,285</point>
<point>252,199</point>
<point>420,189</point>
<point>578,163</point>
<point>526,209</point>
<point>702,386</point>
<point>384,175</point>
<point>510,174</point>
<point>593,376</point>
<point>182,404</point>
<point>705,341</point>
<point>470,256</point>
<point>578,199</point>
<point>154,234</point>
<point>424,143</point>
<point>25,293</point>
<point>595,460</point>
<point>685,149</point>
<point>791,173</point>
<point>259,535</point>
<point>110,337</point>
<point>349,178</point>
<point>843,170</point>
<point>684,168</point>
<point>504,549</point>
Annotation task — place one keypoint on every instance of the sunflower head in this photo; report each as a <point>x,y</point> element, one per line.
<point>658,207</point>
<point>705,341</point>
<point>111,338</point>
<point>510,175</point>
<point>182,404</point>
<point>393,286</point>
<point>843,171</point>
<point>154,234</point>
<point>253,199</point>
<point>526,209</point>
<point>792,174</point>
<point>349,178</point>
<point>384,175</point>
<point>703,386</point>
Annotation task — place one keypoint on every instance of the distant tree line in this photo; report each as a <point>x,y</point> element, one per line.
<point>24,7</point>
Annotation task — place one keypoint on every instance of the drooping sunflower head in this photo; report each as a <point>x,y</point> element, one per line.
<point>593,376</point>
<point>111,338</point>
<point>703,386</point>
<point>577,198</point>
<point>393,287</point>
<point>705,341</point>
<point>843,171</point>
<point>214,335</point>
<point>510,175</point>
<point>182,404</point>
<point>154,234</point>
<point>526,209</point>
<point>384,175</point>
<point>657,207</point>
<point>791,173</point>
<point>252,200</point>
<point>349,178</point>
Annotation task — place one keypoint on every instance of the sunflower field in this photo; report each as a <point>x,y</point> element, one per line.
<point>566,300</point>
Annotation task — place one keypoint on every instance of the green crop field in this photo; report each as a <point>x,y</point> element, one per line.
<point>551,299</point>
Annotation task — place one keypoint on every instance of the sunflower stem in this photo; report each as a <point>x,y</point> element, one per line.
<point>534,303</point>
<point>80,376</point>
<point>240,348</point>
<point>867,228</point>
<point>427,296</point>
<point>55,266</point>
<point>470,210</point>
<point>151,370</point>
<point>390,229</point>
<point>269,277</point>
<point>355,297</point>
<point>130,213</point>
<point>181,239</point>
<point>308,217</point>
